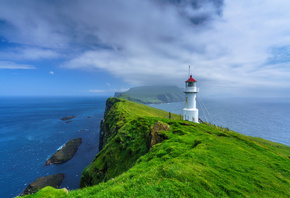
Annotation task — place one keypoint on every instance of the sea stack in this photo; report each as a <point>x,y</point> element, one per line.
<point>65,153</point>
<point>41,182</point>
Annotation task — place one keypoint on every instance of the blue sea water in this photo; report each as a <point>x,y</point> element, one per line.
<point>265,118</point>
<point>31,131</point>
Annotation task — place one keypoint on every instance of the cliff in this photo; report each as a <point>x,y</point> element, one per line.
<point>153,94</point>
<point>145,154</point>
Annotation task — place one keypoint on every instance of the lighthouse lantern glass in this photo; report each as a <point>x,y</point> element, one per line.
<point>189,84</point>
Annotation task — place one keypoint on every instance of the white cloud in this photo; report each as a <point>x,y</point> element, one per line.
<point>12,65</point>
<point>120,90</point>
<point>28,53</point>
<point>108,91</point>
<point>51,72</point>
<point>147,42</point>
<point>97,91</point>
<point>34,23</point>
<point>232,51</point>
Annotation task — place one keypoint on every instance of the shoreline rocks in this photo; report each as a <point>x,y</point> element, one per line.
<point>66,152</point>
<point>68,117</point>
<point>83,130</point>
<point>41,182</point>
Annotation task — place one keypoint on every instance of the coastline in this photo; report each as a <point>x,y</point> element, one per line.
<point>84,150</point>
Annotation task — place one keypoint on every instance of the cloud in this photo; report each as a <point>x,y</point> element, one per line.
<point>51,72</point>
<point>12,65</point>
<point>142,48</point>
<point>230,49</point>
<point>97,91</point>
<point>35,23</point>
<point>28,53</point>
<point>230,44</point>
<point>120,90</point>
<point>108,91</point>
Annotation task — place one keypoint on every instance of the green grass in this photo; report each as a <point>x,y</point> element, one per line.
<point>195,160</point>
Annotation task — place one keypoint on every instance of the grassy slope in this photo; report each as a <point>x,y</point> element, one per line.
<point>195,161</point>
<point>154,94</point>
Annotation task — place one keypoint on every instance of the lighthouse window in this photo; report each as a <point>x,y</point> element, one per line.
<point>190,84</point>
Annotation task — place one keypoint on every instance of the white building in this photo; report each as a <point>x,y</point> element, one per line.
<point>190,112</point>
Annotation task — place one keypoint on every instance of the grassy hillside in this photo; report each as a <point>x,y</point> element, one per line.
<point>153,94</point>
<point>150,155</point>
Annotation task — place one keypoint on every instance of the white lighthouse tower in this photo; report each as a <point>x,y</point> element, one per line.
<point>190,112</point>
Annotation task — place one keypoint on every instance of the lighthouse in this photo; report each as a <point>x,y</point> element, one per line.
<point>190,112</point>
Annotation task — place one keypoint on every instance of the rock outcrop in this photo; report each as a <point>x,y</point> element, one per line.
<point>41,182</point>
<point>68,117</point>
<point>66,152</point>
<point>156,135</point>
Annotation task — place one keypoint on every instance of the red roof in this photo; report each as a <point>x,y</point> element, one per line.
<point>190,79</point>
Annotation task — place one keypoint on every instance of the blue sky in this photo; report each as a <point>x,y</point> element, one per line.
<point>91,47</point>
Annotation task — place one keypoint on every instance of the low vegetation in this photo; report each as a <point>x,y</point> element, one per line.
<point>188,160</point>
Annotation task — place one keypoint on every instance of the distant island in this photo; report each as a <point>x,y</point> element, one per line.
<point>147,153</point>
<point>152,94</point>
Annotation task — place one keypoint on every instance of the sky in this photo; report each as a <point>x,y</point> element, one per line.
<point>92,47</point>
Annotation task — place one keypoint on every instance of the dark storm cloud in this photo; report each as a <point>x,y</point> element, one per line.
<point>197,18</point>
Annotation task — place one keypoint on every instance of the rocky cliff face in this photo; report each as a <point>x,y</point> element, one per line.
<point>122,143</point>
<point>105,125</point>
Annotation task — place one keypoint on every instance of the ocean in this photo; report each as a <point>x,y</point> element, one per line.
<point>265,118</point>
<point>31,130</point>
